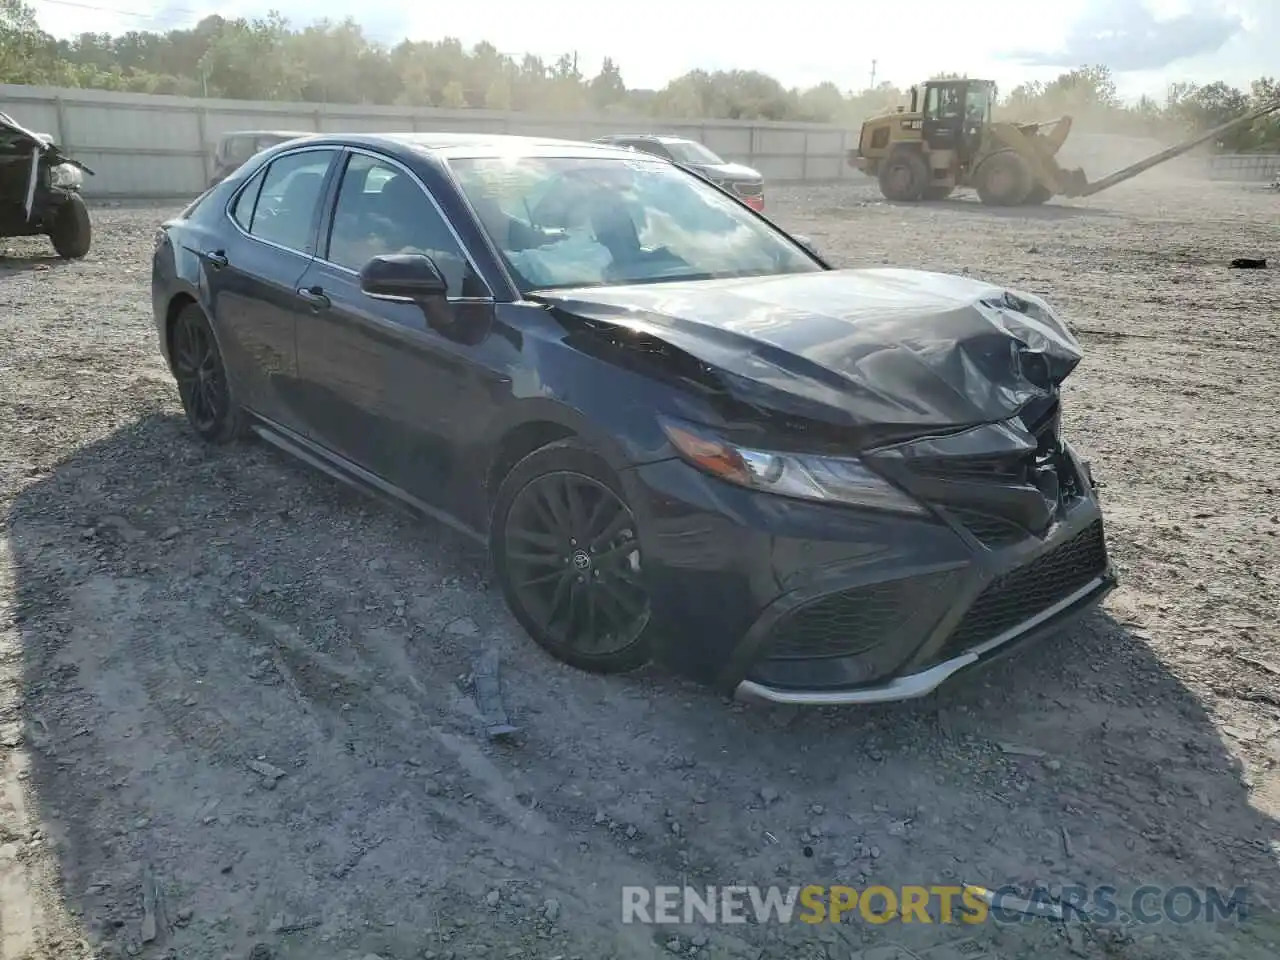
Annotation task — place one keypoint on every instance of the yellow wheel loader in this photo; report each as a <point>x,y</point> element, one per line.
<point>947,139</point>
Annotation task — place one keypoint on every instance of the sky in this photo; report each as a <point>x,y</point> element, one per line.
<point>1147,43</point>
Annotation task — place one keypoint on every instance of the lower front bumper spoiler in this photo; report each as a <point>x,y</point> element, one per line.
<point>926,681</point>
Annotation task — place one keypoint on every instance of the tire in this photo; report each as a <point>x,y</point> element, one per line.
<point>585,610</point>
<point>72,230</point>
<point>938,193</point>
<point>203,387</point>
<point>1003,180</point>
<point>1038,195</point>
<point>904,177</point>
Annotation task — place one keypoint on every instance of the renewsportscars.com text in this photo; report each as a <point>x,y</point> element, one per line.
<point>937,903</point>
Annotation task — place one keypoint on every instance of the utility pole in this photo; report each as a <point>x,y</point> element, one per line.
<point>873,74</point>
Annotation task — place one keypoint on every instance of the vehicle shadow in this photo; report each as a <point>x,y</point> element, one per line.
<point>13,262</point>
<point>245,720</point>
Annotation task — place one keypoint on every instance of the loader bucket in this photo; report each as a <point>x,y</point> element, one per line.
<point>1074,182</point>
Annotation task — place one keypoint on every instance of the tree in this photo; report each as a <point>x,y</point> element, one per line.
<point>607,88</point>
<point>498,96</point>
<point>453,96</point>
<point>252,58</point>
<point>822,104</point>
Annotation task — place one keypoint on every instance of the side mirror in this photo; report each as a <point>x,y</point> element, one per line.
<point>407,276</point>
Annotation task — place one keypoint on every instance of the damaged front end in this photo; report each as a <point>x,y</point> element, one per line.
<point>858,358</point>
<point>905,486</point>
<point>36,179</point>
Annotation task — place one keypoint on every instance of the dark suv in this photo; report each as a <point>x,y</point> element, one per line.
<point>743,182</point>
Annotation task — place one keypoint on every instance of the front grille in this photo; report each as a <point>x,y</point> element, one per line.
<point>752,189</point>
<point>980,469</point>
<point>991,531</point>
<point>854,621</point>
<point>1021,594</point>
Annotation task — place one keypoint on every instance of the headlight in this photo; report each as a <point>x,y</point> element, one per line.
<point>845,480</point>
<point>66,175</point>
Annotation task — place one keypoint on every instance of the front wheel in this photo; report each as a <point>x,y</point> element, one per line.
<point>1004,180</point>
<point>202,378</point>
<point>904,177</point>
<point>566,553</point>
<point>72,230</point>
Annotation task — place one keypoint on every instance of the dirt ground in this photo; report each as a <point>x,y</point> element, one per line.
<point>173,617</point>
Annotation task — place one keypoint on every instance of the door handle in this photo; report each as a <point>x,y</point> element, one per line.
<point>315,297</point>
<point>216,259</point>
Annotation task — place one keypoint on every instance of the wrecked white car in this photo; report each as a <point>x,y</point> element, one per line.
<point>40,191</point>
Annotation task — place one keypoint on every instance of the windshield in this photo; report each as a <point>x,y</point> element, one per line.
<point>689,151</point>
<point>572,222</point>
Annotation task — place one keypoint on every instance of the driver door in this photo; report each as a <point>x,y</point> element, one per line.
<point>386,388</point>
<point>943,126</point>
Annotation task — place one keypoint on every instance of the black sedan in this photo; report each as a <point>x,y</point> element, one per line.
<point>680,433</point>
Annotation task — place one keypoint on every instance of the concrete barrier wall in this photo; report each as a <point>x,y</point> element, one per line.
<point>160,146</point>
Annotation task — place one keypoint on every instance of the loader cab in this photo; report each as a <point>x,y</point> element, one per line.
<point>954,114</point>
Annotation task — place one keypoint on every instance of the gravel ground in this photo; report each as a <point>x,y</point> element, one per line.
<point>234,713</point>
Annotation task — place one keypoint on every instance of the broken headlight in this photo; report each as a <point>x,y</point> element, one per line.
<point>845,480</point>
<point>66,175</point>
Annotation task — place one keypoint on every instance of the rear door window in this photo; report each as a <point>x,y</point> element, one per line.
<point>288,202</point>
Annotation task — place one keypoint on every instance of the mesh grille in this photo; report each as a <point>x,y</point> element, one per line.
<point>1022,593</point>
<point>993,531</point>
<point>854,621</point>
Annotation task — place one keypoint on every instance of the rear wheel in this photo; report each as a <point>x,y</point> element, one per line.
<point>72,230</point>
<point>1003,180</point>
<point>566,553</point>
<point>904,177</point>
<point>202,378</point>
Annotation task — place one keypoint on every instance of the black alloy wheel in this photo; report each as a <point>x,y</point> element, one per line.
<point>568,557</point>
<point>202,378</point>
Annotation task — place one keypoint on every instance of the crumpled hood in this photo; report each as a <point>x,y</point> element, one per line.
<point>17,139</point>
<point>876,347</point>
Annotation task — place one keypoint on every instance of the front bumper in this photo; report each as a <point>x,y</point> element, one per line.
<point>787,601</point>
<point>924,681</point>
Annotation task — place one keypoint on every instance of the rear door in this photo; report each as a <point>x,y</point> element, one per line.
<point>388,386</point>
<point>253,278</point>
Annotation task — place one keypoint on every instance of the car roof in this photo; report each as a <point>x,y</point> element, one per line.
<point>459,145</point>
<point>655,137</point>
<point>268,133</point>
